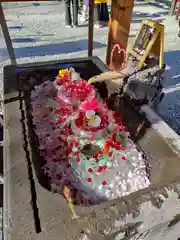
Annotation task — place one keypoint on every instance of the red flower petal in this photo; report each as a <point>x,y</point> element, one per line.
<point>117,147</point>
<point>77,153</point>
<point>89,179</point>
<point>74,108</point>
<point>100,169</point>
<point>124,158</point>
<point>76,144</point>
<point>95,155</point>
<point>90,170</point>
<point>91,138</point>
<point>105,182</point>
<point>78,160</point>
<point>110,154</point>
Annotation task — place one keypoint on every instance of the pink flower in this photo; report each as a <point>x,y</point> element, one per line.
<point>94,106</point>
<point>90,105</point>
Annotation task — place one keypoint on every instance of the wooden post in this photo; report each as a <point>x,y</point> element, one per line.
<point>119,26</point>
<point>178,10</point>
<point>7,36</point>
<point>90,28</point>
<point>173,7</point>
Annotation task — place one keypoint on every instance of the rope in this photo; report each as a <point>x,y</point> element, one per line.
<point>120,49</point>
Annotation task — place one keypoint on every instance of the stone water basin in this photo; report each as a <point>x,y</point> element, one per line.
<point>163,163</point>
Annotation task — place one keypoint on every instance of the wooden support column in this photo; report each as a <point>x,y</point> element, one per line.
<point>90,28</point>
<point>178,10</point>
<point>119,26</point>
<point>7,36</point>
<point>173,7</point>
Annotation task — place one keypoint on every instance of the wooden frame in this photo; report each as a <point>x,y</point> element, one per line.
<point>154,46</point>
<point>7,36</point>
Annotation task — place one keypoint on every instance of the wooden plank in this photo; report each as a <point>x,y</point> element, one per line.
<point>149,42</point>
<point>7,36</point>
<point>178,10</point>
<point>173,7</point>
<point>90,28</point>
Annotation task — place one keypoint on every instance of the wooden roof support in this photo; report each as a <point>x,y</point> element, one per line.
<point>173,7</point>
<point>90,28</point>
<point>7,36</point>
<point>119,26</point>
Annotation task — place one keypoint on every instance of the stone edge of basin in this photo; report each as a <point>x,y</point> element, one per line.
<point>159,125</point>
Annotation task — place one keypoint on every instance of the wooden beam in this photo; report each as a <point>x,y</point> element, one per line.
<point>7,36</point>
<point>173,7</point>
<point>90,28</point>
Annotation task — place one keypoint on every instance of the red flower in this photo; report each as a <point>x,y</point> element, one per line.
<point>117,147</point>
<point>90,105</point>
<point>105,166</point>
<point>113,137</point>
<point>95,155</point>
<point>110,154</point>
<point>74,108</point>
<point>105,182</point>
<point>69,150</point>
<point>91,138</point>
<point>76,144</point>
<point>123,158</point>
<point>78,160</point>
<point>110,143</point>
<point>89,179</point>
<point>77,153</point>
<point>62,120</point>
<point>100,169</point>
<point>90,170</point>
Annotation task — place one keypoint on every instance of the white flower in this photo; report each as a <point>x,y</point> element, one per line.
<point>93,119</point>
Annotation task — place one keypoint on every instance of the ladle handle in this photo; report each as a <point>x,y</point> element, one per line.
<point>107,76</point>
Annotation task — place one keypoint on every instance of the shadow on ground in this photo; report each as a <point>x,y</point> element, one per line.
<point>54,49</point>
<point>3,54</point>
<point>172,60</point>
<point>137,17</point>
<point>157,3</point>
<point>169,109</point>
